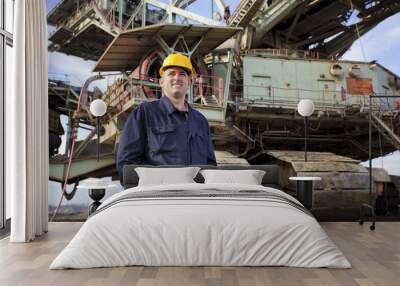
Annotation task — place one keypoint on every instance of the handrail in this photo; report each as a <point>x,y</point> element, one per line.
<point>322,98</point>
<point>306,54</point>
<point>209,90</point>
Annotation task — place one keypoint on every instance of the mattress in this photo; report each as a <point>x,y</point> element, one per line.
<point>201,225</point>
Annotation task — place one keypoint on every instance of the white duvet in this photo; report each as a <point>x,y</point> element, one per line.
<point>185,231</point>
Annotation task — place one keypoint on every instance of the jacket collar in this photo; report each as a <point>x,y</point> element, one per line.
<point>169,107</point>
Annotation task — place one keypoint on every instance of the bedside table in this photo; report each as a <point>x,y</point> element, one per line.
<point>97,190</point>
<point>304,191</point>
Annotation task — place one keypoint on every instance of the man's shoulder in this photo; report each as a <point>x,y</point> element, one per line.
<point>199,115</point>
<point>138,112</point>
<point>146,106</point>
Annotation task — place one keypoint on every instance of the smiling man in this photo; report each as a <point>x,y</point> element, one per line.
<point>167,131</point>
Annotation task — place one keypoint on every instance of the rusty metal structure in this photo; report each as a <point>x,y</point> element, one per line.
<point>253,66</point>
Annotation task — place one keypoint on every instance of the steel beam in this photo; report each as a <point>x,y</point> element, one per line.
<point>120,12</point>
<point>221,5</point>
<point>273,15</point>
<point>163,44</point>
<point>180,4</point>
<point>80,168</point>
<point>184,13</point>
<point>295,20</point>
<point>228,80</point>
<point>138,8</point>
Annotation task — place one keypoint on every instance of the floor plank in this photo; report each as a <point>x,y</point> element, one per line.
<point>375,257</point>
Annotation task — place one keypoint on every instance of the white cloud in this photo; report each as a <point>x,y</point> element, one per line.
<point>77,69</point>
<point>372,46</point>
<point>379,44</point>
<point>394,33</point>
<point>390,162</point>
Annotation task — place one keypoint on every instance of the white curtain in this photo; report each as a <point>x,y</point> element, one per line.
<point>27,124</point>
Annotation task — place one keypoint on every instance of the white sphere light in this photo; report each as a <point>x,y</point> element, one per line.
<point>305,107</point>
<point>98,108</point>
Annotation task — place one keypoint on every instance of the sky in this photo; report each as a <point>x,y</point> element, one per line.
<point>381,44</point>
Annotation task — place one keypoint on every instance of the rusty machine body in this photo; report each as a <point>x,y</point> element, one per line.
<point>253,66</point>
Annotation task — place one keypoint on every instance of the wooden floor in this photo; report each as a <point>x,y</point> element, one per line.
<point>375,256</point>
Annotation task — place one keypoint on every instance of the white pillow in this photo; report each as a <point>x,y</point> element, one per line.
<point>164,176</point>
<point>248,177</point>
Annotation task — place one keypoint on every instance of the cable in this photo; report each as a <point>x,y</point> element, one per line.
<point>358,34</point>
<point>380,148</point>
<point>64,188</point>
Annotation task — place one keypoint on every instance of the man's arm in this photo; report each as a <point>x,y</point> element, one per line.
<point>132,141</point>
<point>211,155</point>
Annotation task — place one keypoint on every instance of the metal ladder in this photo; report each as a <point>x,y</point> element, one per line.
<point>210,100</point>
<point>385,131</point>
<point>238,64</point>
<point>244,12</point>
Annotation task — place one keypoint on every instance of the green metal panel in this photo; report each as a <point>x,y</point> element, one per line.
<point>286,81</point>
<point>289,80</point>
<point>219,70</point>
<point>211,113</point>
<point>382,85</point>
<point>79,168</point>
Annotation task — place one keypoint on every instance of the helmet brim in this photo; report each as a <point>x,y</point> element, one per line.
<point>164,68</point>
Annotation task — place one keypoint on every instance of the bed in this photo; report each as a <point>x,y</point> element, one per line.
<point>201,224</point>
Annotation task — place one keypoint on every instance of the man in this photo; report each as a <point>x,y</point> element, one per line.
<point>167,131</point>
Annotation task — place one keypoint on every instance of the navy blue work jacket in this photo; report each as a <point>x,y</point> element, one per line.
<point>156,133</point>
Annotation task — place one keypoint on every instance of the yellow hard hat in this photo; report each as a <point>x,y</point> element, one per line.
<point>177,60</point>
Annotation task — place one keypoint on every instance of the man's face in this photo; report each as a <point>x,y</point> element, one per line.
<point>175,82</point>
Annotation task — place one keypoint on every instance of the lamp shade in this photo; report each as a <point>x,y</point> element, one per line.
<point>305,107</point>
<point>95,183</point>
<point>98,107</point>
